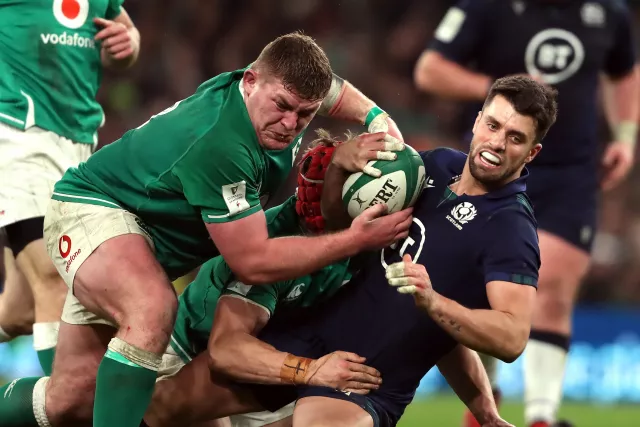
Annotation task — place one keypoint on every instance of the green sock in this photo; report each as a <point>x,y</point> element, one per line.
<point>123,391</point>
<point>46,359</point>
<point>16,403</point>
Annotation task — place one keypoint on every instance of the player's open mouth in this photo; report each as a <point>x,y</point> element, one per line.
<point>489,159</point>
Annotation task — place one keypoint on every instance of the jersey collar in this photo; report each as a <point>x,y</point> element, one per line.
<point>518,185</point>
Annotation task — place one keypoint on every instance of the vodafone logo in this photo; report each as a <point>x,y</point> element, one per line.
<point>71,13</point>
<point>64,246</point>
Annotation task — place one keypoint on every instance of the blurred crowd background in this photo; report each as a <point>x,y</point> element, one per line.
<point>372,43</point>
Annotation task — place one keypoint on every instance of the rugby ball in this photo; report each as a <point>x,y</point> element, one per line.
<point>399,185</point>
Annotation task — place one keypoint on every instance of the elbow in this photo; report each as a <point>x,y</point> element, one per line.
<point>216,363</point>
<point>251,276</point>
<point>250,269</point>
<point>425,72</point>
<point>513,348</point>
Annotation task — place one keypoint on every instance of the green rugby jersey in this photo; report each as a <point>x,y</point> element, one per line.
<point>198,303</point>
<point>197,161</point>
<point>50,67</point>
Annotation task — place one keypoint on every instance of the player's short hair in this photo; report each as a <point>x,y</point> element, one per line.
<point>528,98</point>
<point>301,65</point>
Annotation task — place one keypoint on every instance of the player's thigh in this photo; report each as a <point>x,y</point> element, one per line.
<point>186,397</point>
<point>48,288</point>
<point>122,279</point>
<point>283,417</point>
<point>321,411</point>
<point>70,390</point>
<point>563,266</point>
<point>16,300</point>
<point>31,162</point>
<point>107,260</point>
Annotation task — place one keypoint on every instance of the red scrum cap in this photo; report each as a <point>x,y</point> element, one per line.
<point>311,170</point>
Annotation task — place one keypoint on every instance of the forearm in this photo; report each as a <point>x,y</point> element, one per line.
<point>332,207</point>
<point>288,257</point>
<point>439,76</point>
<point>492,332</point>
<point>466,375</point>
<point>621,106</point>
<point>245,358</point>
<point>109,61</point>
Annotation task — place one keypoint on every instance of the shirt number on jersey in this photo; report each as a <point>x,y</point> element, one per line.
<point>161,113</point>
<point>409,244</point>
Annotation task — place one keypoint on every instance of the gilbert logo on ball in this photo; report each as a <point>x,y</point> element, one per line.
<point>398,187</point>
<point>71,13</point>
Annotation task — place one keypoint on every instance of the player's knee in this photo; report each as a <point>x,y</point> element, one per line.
<point>152,321</point>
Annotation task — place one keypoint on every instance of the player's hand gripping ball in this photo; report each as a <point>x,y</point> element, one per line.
<point>398,185</point>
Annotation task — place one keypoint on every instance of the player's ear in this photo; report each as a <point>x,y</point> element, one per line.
<point>533,152</point>
<point>475,124</point>
<point>249,80</point>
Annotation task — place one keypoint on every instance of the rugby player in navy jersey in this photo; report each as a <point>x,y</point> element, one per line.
<point>567,44</point>
<point>471,262</point>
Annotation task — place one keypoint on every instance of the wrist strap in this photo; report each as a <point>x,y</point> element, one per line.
<point>372,114</point>
<point>627,132</point>
<point>295,369</point>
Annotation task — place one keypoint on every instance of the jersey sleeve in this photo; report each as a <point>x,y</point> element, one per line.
<point>114,8</point>
<point>222,181</point>
<point>622,56</point>
<point>459,34</point>
<point>264,296</point>
<point>511,252</point>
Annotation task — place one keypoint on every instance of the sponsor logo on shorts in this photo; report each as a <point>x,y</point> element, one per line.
<point>71,14</point>
<point>72,258</point>
<point>64,246</point>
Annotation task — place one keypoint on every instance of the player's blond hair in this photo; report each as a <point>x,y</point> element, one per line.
<point>301,65</point>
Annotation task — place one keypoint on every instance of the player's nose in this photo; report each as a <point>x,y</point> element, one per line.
<point>289,121</point>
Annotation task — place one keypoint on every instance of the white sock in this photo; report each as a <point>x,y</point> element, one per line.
<point>544,366</point>
<point>4,337</point>
<point>491,366</point>
<point>38,399</point>
<point>45,335</point>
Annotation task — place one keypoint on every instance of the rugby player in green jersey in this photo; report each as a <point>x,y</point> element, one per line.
<point>175,192</point>
<point>246,308</point>
<point>51,59</point>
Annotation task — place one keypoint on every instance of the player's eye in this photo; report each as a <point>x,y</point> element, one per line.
<point>492,126</point>
<point>281,106</point>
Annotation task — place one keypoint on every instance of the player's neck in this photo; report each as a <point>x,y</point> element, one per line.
<point>467,184</point>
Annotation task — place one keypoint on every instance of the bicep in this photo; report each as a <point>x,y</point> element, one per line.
<point>514,299</point>
<point>235,314</point>
<point>237,239</point>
